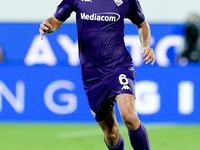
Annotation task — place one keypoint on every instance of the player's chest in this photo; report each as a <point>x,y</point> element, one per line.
<point>102,6</point>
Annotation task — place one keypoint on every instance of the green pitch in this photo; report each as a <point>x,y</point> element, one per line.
<point>90,137</point>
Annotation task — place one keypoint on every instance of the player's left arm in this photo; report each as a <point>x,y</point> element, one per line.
<point>144,32</point>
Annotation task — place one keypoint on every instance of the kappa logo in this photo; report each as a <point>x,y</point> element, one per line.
<point>126,87</point>
<point>118,2</point>
<point>86,0</point>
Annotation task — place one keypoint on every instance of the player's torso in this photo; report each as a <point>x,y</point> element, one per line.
<point>100,15</point>
<point>100,26</point>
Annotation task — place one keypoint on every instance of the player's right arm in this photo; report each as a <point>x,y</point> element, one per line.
<point>49,26</point>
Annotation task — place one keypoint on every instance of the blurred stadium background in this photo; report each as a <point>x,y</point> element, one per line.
<point>43,105</point>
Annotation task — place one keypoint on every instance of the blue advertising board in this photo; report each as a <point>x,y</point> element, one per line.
<point>22,45</point>
<point>40,81</point>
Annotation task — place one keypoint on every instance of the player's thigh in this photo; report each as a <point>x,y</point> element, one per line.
<point>109,124</point>
<point>126,103</point>
<point>126,106</point>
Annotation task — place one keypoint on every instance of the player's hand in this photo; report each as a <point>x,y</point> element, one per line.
<point>44,28</point>
<point>148,54</point>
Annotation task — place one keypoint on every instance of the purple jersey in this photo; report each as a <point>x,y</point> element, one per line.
<point>102,52</point>
<point>100,27</point>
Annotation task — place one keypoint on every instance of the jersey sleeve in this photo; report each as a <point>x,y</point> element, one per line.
<point>64,10</point>
<point>135,13</point>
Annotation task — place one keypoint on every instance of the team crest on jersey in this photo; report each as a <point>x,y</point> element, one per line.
<point>118,2</point>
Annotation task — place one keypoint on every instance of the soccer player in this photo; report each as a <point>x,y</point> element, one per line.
<point>107,68</point>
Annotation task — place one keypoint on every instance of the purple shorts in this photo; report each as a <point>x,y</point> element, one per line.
<point>101,94</point>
